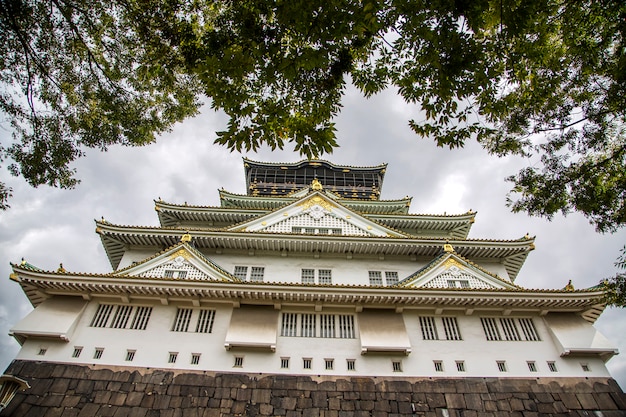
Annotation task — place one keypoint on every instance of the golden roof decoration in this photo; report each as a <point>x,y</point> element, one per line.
<point>61,270</point>
<point>316,185</point>
<point>569,286</point>
<point>186,238</point>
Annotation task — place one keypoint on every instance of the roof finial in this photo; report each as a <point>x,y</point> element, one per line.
<point>569,286</point>
<point>316,185</point>
<point>186,238</point>
<point>23,262</point>
<point>61,269</point>
<point>448,248</point>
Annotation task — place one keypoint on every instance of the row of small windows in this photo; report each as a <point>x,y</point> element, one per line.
<point>317,325</point>
<point>329,363</point>
<point>317,230</point>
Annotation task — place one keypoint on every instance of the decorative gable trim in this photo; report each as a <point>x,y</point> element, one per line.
<point>178,262</point>
<point>316,208</point>
<point>451,270</point>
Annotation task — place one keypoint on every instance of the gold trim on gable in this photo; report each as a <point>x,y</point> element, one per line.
<point>180,252</point>
<point>317,200</point>
<point>452,262</point>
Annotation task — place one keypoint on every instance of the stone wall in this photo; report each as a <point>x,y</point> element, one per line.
<point>72,390</point>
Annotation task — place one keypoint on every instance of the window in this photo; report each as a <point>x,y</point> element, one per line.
<point>140,321</point>
<point>307,325</point>
<point>42,351</point>
<point>453,283</point>
<point>205,321</point>
<point>306,363</point>
<point>317,230</point>
<point>308,276</point>
<point>507,328</point>
<point>325,276</point>
<point>451,328</point>
<point>289,326</point>
<point>181,322</point>
<point>284,363</point>
<point>552,366</point>
<point>460,366</point>
<point>328,325</point>
<point>329,363</point>
<point>351,364</point>
<point>501,366</point>
<point>430,324</point>
<point>490,328</point>
<point>532,366</point>
<point>529,330</point>
<point>102,315</point>
<point>396,366</point>
<point>391,277</point>
<point>429,331</point>
<point>97,353</point>
<point>77,351</point>
<point>172,273</point>
<point>318,325</point>
<point>438,366</point>
<point>257,273</point>
<point>195,358</point>
<point>346,326</point>
<point>120,319</point>
<point>238,362</point>
<point>241,272</point>
<point>172,357</point>
<point>130,355</point>
<point>585,367</point>
<point>376,278</point>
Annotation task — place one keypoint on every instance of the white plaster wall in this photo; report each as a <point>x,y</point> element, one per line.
<point>154,344</point>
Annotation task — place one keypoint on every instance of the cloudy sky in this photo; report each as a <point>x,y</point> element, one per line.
<point>49,226</point>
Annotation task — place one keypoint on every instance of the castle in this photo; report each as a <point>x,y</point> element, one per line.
<point>309,295</point>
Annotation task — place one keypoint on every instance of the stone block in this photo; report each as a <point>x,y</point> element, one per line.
<point>604,401</point>
<point>455,400</point>
<point>587,401</point>
<point>473,402</point>
<point>343,385</point>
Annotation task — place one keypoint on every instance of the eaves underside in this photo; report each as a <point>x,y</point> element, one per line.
<point>458,226</point>
<point>117,240</point>
<point>40,285</point>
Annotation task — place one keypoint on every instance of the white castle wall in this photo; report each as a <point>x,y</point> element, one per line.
<point>154,344</point>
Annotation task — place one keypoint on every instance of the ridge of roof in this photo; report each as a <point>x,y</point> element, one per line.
<point>248,160</point>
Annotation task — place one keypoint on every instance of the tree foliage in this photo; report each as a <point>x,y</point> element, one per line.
<point>539,78</point>
<point>615,287</point>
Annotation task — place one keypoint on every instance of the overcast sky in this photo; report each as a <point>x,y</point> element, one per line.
<point>49,226</point>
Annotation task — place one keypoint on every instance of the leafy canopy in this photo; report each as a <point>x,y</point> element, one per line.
<point>540,78</point>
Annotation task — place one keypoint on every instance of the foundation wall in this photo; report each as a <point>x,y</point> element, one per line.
<point>69,390</point>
